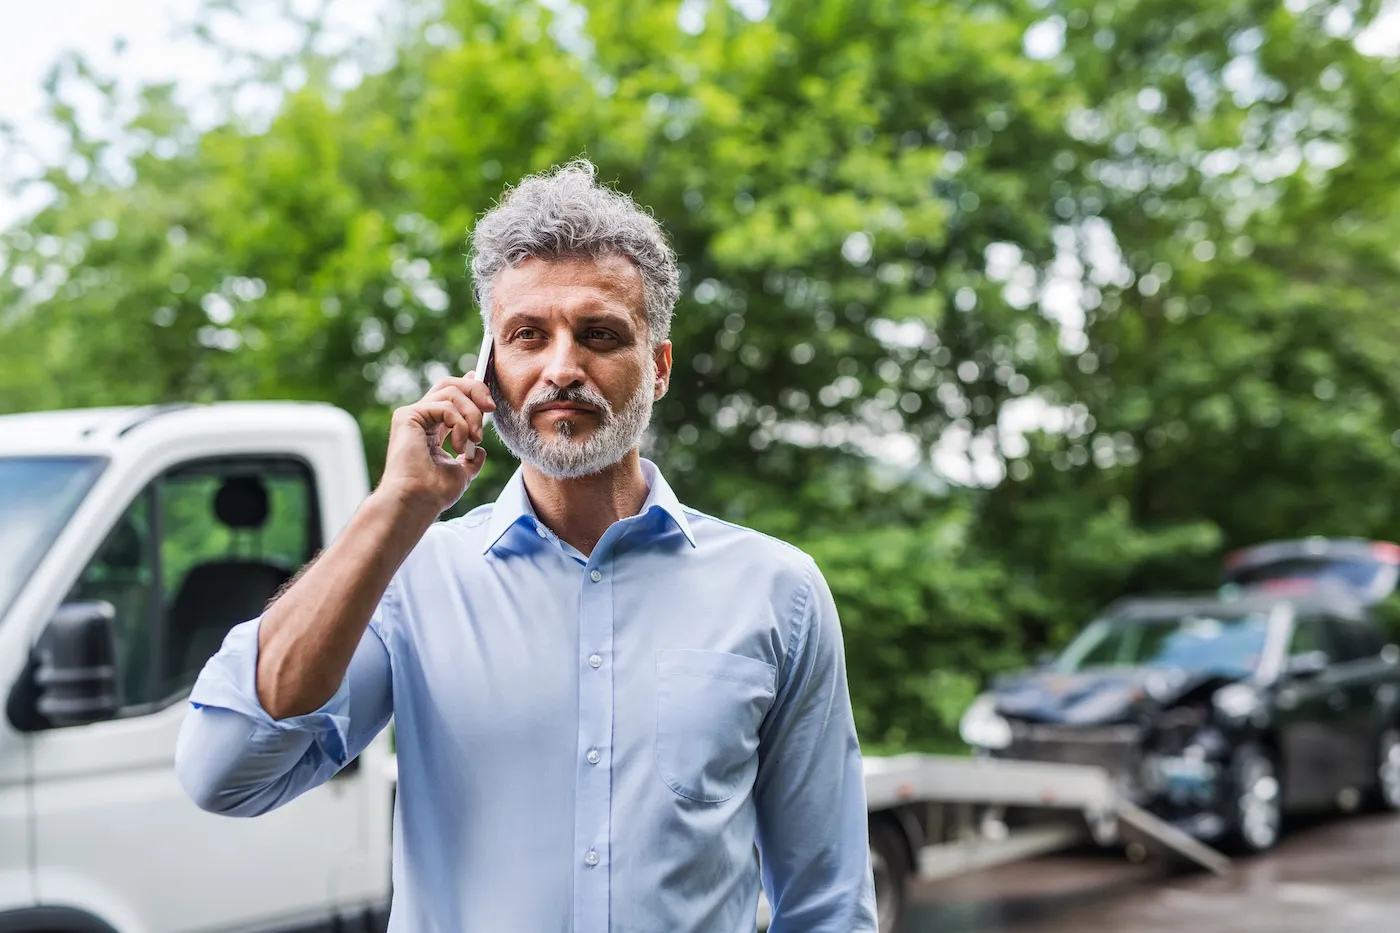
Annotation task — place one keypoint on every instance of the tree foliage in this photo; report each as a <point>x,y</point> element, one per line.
<point>1000,309</point>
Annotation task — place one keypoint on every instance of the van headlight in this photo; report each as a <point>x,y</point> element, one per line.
<point>982,726</point>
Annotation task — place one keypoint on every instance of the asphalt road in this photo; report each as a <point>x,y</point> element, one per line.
<point>1338,875</point>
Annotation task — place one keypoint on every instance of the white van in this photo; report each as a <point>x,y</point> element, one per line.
<point>131,540</point>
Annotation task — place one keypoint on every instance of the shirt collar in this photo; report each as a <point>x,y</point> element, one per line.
<point>664,498</point>
<point>513,505</point>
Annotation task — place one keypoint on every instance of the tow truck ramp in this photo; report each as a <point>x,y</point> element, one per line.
<point>1082,800</point>
<point>910,779</point>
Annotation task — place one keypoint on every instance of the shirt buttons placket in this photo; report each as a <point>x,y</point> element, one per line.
<point>593,783</point>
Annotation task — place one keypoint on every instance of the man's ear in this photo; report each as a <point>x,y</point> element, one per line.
<point>662,356</point>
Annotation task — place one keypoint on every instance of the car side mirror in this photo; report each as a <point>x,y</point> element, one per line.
<point>75,665</point>
<point>1308,664</point>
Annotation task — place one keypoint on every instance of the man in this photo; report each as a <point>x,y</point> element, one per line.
<point>603,700</point>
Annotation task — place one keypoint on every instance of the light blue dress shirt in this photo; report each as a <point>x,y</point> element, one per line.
<point>586,744</point>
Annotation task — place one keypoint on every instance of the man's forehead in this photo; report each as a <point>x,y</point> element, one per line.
<point>608,282</point>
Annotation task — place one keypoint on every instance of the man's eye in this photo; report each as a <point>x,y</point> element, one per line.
<point>598,334</point>
<point>527,333</point>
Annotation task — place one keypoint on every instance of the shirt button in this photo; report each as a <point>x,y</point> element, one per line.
<point>591,858</point>
<point>593,756</point>
<point>595,576</point>
<point>595,661</point>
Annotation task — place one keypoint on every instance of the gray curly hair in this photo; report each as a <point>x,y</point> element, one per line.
<point>565,214</point>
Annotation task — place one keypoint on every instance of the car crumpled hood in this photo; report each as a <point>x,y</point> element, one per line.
<point>1096,696</point>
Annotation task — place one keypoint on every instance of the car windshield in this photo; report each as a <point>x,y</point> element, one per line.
<point>1230,645</point>
<point>37,497</point>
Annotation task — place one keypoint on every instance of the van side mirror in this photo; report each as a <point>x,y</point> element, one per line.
<point>75,665</point>
<point>1308,664</point>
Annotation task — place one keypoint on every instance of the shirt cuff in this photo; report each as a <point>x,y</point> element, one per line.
<point>229,681</point>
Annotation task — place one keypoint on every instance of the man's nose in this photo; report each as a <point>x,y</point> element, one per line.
<point>564,366</point>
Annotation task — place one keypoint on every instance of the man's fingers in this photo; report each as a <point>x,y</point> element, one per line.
<point>470,386</point>
<point>470,398</point>
<point>436,418</point>
<point>478,392</point>
<point>466,408</point>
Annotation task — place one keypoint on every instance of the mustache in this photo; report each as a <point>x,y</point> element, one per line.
<point>582,395</point>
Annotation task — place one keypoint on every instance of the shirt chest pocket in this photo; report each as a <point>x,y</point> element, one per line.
<point>710,705</point>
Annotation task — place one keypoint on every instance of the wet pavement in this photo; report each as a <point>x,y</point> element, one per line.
<point>1334,876</point>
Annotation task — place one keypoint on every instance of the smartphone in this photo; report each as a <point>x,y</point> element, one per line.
<point>483,362</point>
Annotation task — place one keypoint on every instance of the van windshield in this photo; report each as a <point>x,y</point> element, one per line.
<point>37,497</point>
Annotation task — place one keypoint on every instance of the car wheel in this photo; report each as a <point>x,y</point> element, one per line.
<point>1257,800</point>
<point>890,863</point>
<point>1386,793</point>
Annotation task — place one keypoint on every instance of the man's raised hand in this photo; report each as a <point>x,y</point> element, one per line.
<point>417,467</point>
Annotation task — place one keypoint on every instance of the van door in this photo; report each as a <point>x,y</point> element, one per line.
<point>16,879</point>
<point>203,547</point>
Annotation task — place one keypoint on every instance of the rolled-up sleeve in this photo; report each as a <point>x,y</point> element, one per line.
<point>235,759</point>
<point>813,834</point>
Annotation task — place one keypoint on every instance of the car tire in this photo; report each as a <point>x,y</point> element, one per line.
<point>889,860</point>
<point>1256,800</point>
<point>1385,791</point>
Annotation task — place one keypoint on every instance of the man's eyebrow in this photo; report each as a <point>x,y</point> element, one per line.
<point>611,318</point>
<point>516,318</point>
<point>586,319</point>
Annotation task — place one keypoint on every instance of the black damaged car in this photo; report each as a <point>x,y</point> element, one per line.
<point>1218,714</point>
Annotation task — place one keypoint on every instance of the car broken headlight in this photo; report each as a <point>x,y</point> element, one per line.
<point>982,726</point>
<point>1237,702</point>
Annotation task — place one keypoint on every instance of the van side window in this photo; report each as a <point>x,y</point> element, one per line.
<point>205,547</point>
<point>231,537</point>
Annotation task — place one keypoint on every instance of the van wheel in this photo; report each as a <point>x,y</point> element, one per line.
<point>1256,802</point>
<point>890,862</point>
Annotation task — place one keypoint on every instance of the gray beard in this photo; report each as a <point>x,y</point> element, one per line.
<point>557,455</point>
